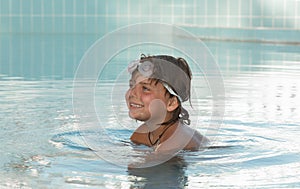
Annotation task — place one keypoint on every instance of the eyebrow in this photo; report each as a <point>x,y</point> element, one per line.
<point>142,82</point>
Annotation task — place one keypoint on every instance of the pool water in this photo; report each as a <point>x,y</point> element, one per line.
<point>257,145</point>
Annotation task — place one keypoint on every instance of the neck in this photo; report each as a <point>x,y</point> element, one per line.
<point>156,135</point>
<point>155,124</point>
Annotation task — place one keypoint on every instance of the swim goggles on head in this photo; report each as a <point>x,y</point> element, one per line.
<point>146,69</point>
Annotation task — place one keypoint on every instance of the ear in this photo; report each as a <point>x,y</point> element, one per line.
<point>172,104</point>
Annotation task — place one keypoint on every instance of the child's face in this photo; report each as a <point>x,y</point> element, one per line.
<point>147,100</point>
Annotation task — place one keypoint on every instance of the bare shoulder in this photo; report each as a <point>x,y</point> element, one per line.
<point>184,137</point>
<point>139,136</point>
<point>197,139</point>
<point>142,129</point>
<point>200,139</point>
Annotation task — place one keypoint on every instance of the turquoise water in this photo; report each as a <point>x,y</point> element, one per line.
<point>257,145</point>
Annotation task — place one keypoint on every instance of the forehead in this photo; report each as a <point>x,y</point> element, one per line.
<point>139,78</point>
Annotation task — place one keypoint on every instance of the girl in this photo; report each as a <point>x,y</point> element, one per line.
<point>158,87</point>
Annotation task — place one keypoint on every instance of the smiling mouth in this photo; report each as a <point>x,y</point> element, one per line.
<point>134,105</point>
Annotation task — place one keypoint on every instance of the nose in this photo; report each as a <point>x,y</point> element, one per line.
<point>132,91</point>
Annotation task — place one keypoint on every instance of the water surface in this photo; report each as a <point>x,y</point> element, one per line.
<point>256,146</point>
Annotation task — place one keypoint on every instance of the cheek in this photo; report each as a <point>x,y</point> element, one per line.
<point>147,98</point>
<point>158,111</point>
<point>152,100</point>
<point>157,106</point>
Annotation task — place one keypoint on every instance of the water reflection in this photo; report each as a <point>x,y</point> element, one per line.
<point>263,97</point>
<point>170,174</point>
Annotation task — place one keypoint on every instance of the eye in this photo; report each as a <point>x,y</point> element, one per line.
<point>145,88</point>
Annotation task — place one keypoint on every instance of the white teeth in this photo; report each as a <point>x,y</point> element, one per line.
<point>136,105</point>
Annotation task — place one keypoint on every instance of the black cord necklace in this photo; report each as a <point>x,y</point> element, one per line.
<point>159,137</point>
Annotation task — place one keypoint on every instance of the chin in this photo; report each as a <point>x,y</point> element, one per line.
<point>136,117</point>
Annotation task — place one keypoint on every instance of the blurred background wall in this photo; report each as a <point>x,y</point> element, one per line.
<point>47,38</point>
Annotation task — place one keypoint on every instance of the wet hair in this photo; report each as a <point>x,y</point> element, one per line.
<point>178,76</point>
